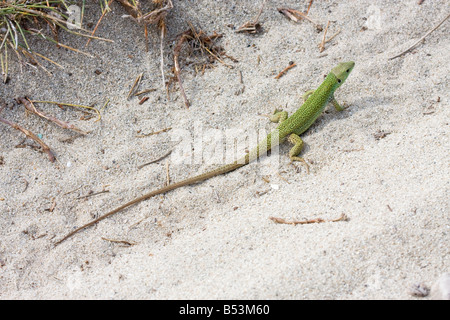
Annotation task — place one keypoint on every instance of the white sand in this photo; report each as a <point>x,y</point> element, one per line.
<point>215,239</point>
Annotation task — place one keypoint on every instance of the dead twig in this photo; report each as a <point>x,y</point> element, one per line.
<point>324,40</point>
<point>136,83</point>
<point>32,136</point>
<point>154,132</point>
<point>176,54</point>
<point>283,72</point>
<point>208,48</point>
<point>128,243</point>
<point>107,9</point>
<point>155,160</point>
<point>167,173</point>
<point>143,100</point>
<point>343,217</point>
<point>421,39</point>
<point>53,206</point>
<point>156,17</point>
<point>91,194</point>
<point>296,16</point>
<point>59,104</point>
<point>252,26</point>
<point>309,6</point>
<point>32,108</point>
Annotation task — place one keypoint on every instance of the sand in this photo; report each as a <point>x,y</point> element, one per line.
<point>383,162</point>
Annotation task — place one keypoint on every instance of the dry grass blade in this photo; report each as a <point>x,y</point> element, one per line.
<point>75,105</point>
<point>198,41</point>
<point>296,16</point>
<point>32,136</point>
<point>105,11</point>
<point>22,18</point>
<point>156,16</point>
<point>421,39</point>
<point>135,85</point>
<point>253,26</point>
<point>342,217</point>
<point>176,54</point>
<point>32,108</point>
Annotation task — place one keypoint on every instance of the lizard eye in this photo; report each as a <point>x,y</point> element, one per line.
<point>339,80</point>
<point>348,70</point>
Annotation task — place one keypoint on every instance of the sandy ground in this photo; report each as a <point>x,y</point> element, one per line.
<point>215,239</point>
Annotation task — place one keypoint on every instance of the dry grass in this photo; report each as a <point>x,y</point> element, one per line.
<point>20,19</point>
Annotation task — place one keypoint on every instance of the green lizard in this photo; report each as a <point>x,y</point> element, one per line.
<point>289,128</point>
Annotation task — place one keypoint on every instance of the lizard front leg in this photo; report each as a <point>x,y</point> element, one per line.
<point>336,105</point>
<point>333,101</point>
<point>296,149</point>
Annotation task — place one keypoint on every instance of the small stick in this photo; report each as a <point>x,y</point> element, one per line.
<point>197,36</point>
<point>135,84</point>
<point>48,59</point>
<point>161,49</point>
<point>92,194</point>
<point>69,192</point>
<point>101,109</point>
<point>322,44</point>
<point>5,64</point>
<point>156,160</point>
<point>252,26</point>
<point>290,66</point>
<point>32,136</point>
<point>176,54</point>
<point>296,15</point>
<point>144,91</point>
<point>167,172</point>
<point>282,178</point>
<point>71,105</point>
<point>343,217</point>
<point>53,206</point>
<point>154,132</point>
<point>417,42</point>
<point>98,22</point>
<point>32,58</point>
<point>128,243</point>
<point>32,108</point>
<point>143,100</point>
<point>309,6</point>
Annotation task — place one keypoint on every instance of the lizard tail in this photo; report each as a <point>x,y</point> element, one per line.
<point>221,170</point>
<point>249,157</point>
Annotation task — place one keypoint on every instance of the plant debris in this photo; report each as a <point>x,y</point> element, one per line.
<point>157,17</point>
<point>283,72</point>
<point>297,16</point>
<point>343,217</point>
<point>253,26</point>
<point>21,18</point>
<point>200,45</point>
<point>32,108</point>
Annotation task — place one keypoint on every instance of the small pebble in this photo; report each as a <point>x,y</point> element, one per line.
<point>69,164</point>
<point>419,290</point>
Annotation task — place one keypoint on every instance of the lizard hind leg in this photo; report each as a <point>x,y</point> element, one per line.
<point>296,149</point>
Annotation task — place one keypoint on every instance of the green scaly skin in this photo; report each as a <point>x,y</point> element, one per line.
<point>289,128</point>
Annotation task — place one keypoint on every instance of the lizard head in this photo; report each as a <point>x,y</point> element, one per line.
<point>342,71</point>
